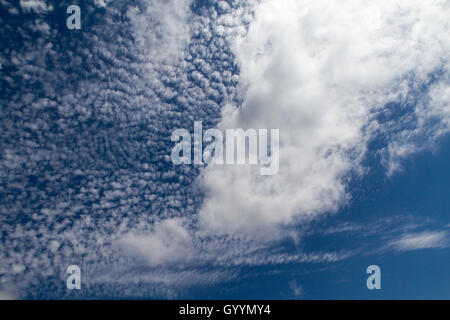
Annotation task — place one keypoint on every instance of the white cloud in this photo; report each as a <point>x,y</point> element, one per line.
<point>318,71</point>
<point>297,289</point>
<point>38,6</point>
<point>169,243</point>
<point>162,29</point>
<point>421,240</point>
<point>102,3</point>
<point>99,140</point>
<point>7,292</point>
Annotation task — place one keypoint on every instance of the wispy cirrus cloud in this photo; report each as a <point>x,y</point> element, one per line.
<point>420,240</point>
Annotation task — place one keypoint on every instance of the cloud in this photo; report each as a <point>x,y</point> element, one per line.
<point>320,72</point>
<point>385,235</point>
<point>88,145</point>
<point>168,243</point>
<point>102,3</point>
<point>38,6</point>
<point>422,240</point>
<point>85,171</point>
<point>161,28</point>
<point>7,292</point>
<point>6,296</point>
<point>297,289</point>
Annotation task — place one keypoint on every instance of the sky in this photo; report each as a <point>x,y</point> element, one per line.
<point>359,91</point>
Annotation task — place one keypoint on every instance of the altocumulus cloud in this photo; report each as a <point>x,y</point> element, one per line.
<point>85,171</point>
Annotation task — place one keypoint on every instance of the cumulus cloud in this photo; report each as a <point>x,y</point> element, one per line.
<point>167,243</point>
<point>320,72</point>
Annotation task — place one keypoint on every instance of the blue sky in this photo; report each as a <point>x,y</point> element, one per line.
<point>358,90</point>
<point>418,194</point>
